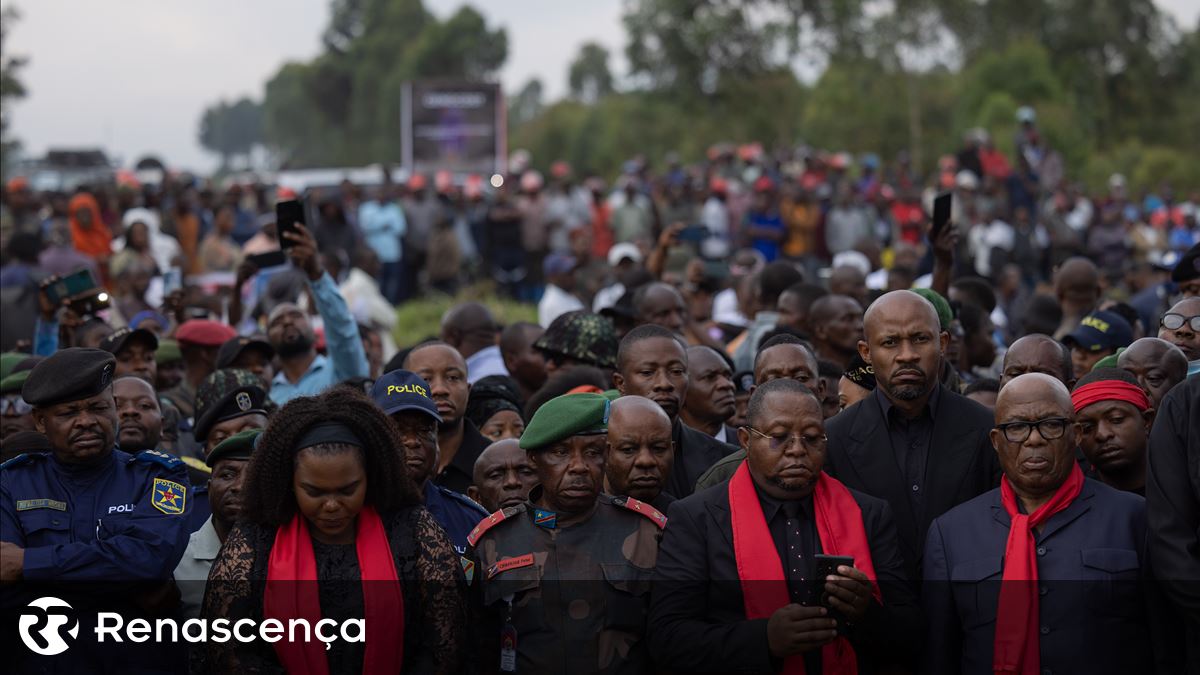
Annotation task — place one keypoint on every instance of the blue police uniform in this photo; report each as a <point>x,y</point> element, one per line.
<point>457,513</point>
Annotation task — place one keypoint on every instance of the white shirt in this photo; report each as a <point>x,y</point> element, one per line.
<point>485,362</point>
<point>607,297</point>
<point>193,568</point>
<point>554,303</point>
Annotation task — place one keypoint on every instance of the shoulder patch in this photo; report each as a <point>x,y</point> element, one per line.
<point>160,458</point>
<point>491,521</point>
<point>168,496</point>
<point>642,508</point>
<point>23,459</point>
<point>464,500</point>
<point>196,463</point>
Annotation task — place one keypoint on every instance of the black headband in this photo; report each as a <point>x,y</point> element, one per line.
<point>329,433</point>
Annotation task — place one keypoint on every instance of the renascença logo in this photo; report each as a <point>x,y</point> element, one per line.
<point>42,624</point>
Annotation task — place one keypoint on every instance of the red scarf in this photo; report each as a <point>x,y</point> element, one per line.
<point>840,529</point>
<point>293,568</point>
<point>1015,649</point>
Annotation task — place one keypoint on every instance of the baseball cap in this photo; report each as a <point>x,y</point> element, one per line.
<point>204,332</point>
<point>623,250</point>
<point>117,340</point>
<point>232,349</point>
<point>1100,330</point>
<point>402,390</point>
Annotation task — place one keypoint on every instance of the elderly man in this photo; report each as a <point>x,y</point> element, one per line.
<point>562,581</point>
<point>302,371</point>
<point>912,442</point>
<point>503,476</point>
<point>652,362</point>
<point>1113,417</point>
<point>711,395</point>
<point>1038,353</point>
<point>836,323</point>
<point>228,462</point>
<point>1157,364</point>
<point>1181,327</point>
<point>411,403</point>
<point>471,329</point>
<point>735,589</point>
<point>1067,552</point>
<point>640,451</point>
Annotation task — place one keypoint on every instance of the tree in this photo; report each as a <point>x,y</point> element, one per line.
<point>527,104</point>
<point>231,129</point>
<point>11,87</point>
<point>589,78</point>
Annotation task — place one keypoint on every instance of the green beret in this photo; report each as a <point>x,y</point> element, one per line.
<point>8,360</point>
<point>566,416</point>
<point>1109,361</point>
<point>238,446</point>
<point>14,382</point>
<point>69,375</point>
<point>168,351</point>
<point>945,316</point>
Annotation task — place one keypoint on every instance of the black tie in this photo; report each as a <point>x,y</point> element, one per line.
<point>795,567</point>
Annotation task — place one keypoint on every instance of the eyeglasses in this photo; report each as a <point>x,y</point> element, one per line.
<point>1173,321</point>
<point>779,441</point>
<point>1049,429</point>
<point>14,405</point>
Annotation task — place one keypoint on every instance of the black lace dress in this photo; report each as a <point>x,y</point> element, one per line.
<point>430,576</point>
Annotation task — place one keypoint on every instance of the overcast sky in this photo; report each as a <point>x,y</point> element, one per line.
<point>133,76</point>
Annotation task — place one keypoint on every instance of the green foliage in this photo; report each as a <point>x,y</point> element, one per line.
<point>11,87</point>
<point>589,77</point>
<point>417,320</point>
<point>230,129</point>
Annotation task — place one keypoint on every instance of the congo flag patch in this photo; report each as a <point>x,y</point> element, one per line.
<point>168,496</point>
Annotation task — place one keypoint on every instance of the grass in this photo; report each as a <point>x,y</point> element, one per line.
<point>419,319</point>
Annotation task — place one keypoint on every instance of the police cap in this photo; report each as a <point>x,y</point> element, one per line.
<point>69,375</point>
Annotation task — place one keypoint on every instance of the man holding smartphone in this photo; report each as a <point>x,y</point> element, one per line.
<point>304,372</point>
<point>762,560</point>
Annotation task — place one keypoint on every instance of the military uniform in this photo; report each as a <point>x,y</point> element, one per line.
<point>576,597</point>
<point>582,336</point>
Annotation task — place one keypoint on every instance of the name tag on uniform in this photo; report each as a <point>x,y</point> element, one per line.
<point>510,564</point>
<point>31,504</point>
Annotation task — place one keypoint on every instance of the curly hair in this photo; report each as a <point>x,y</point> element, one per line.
<point>268,495</point>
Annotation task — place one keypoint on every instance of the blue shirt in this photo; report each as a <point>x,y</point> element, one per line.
<point>346,357</point>
<point>123,517</point>
<point>382,226</point>
<point>456,513</point>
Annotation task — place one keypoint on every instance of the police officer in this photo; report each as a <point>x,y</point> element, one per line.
<point>86,511</point>
<point>562,581</point>
<point>405,397</point>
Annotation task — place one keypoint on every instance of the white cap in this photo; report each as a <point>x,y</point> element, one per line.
<point>623,250</point>
<point>854,259</point>
<point>1116,180</point>
<point>966,180</point>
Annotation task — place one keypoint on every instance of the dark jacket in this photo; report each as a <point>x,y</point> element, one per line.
<point>1092,602</point>
<point>961,463</point>
<point>697,617</point>
<point>695,451</point>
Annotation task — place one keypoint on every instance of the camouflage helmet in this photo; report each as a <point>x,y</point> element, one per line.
<point>228,393</point>
<point>582,336</point>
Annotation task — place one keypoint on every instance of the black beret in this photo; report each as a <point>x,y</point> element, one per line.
<point>1188,267</point>
<point>245,400</point>
<point>117,340</point>
<point>69,375</point>
<point>238,446</point>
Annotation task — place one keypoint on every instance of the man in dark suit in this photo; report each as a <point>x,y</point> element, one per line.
<point>716,608</point>
<point>914,443</point>
<point>1045,573</point>
<point>652,362</point>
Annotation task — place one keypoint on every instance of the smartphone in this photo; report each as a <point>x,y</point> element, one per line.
<point>287,214</point>
<point>694,233</point>
<point>79,289</point>
<point>826,565</point>
<point>172,280</point>
<point>267,259</point>
<point>941,214</point>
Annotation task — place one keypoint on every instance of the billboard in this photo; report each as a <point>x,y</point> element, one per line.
<point>453,126</point>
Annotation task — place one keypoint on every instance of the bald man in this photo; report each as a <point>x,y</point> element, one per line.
<point>1080,544</point>
<point>848,280</point>
<point>1038,353</point>
<point>503,476</point>
<point>1157,364</point>
<point>640,451</point>
<point>661,305</point>
<point>913,442</point>
<point>1077,287</point>
<point>836,323</point>
<point>471,329</point>
<point>1178,326</point>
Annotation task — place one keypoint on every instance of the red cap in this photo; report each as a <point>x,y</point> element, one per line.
<point>285,193</point>
<point>560,169</point>
<point>205,333</point>
<point>18,183</point>
<point>764,184</point>
<point>718,185</point>
<point>443,181</point>
<point>416,182</point>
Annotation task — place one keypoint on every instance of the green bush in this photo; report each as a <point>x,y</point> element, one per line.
<point>419,319</point>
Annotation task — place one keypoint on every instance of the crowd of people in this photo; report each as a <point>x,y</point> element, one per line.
<point>768,419</point>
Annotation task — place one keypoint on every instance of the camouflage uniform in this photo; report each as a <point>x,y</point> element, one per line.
<point>579,594</point>
<point>582,336</point>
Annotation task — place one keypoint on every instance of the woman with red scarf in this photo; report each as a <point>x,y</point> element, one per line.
<point>1045,573</point>
<point>734,581</point>
<point>333,530</point>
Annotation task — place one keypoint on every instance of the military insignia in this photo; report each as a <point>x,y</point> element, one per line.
<point>510,564</point>
<point>31,504</point>
<point>546,519</point>
<point>644,509</point>
<point>468,567</point>
<point>243,401</point>
<point>106,375</point>
<point>485,525</point>
<point>168,496</point>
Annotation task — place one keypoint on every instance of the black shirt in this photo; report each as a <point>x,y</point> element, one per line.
<point>796,542</point>
<point>910,443</point>
<point>459,473</point>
